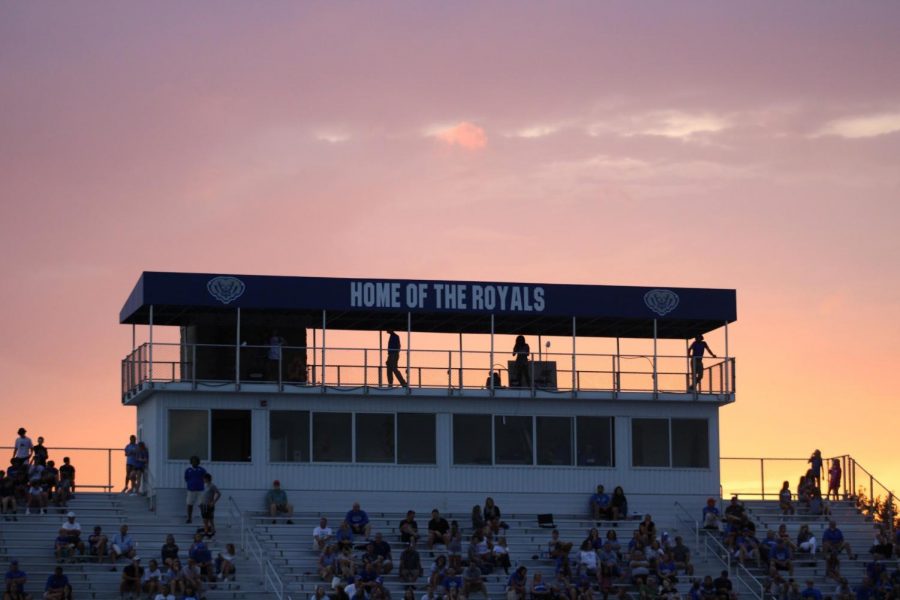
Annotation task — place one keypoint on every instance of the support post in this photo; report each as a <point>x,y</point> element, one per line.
<point>380,356</point>
<point>237,351</point>
<point>574,378</point>
<point>655,369</point>
<point>617,365</point>
<point>727,365</point>
<point>762,477</point>
<point>133,337</point>
<point>324,329</point>
<point>315,350</point>
<point>151,346</point>
<point>409,353</point>
<point>491,371</point>
<point>460,363</point>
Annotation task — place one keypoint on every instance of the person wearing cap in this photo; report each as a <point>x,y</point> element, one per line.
<point>69,537</point>
<point>193,478</point>
<point>696,351</point>
<point>131,578</point>
<point>23,448</point>
<point>97,544</point>
<point>277,503</point>
<point>57,586</point>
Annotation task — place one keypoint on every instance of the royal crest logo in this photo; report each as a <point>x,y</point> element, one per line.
<point>662,302</point>
<point>226,289</point>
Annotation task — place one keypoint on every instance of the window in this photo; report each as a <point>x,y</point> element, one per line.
<point>375,438</point>
<point>416,439</point>
<point>650,442</point>
<point>554,440</point>
<point>332,438</point>
<point>230,439</point>
<point>513,441</point>
<point>471,439</point>
<point>690,443</point>
<point>289,436</point>
<point>188,434</point>
<point>596,441</point>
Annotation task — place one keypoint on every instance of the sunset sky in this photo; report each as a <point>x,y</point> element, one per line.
<point>753,146</point>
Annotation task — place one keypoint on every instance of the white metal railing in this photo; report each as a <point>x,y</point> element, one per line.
<point>252,546</point>
<point>740,573</point>
<point>364,368</point>
<point>684,516</point>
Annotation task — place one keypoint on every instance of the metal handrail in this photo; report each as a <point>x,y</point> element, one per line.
<point>252,545</point>
<point>139,369</point>
<point>694,523</point>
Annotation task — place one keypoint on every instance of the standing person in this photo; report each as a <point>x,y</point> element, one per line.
<point>131,450</point>
<point>39,453</point>
<point>834,479</point>
<point>521,350</point>
<point>193,477</point>
<point>815,463</point>
<point>393,359</point>
<point>208,500</point>
<point>697,349</point>
<point>274,355</point>
<point>22,448</point>
<point>142,457</point>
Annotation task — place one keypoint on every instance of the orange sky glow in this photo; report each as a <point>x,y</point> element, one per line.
<point>752,147</point>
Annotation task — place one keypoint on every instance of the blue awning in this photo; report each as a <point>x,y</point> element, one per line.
<point>435,305</point>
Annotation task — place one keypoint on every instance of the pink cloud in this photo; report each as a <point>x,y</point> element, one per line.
<point>466,135</point>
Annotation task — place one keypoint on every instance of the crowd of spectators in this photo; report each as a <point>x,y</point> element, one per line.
<point>32,481</point>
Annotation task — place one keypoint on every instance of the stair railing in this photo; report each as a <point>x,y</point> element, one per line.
<point>251,545</point>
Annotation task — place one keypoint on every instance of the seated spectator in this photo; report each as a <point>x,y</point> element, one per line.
<point>811,593</point>
<point>833,540</point>
<point>608,561</point>
<point>516,584</point>
<point>192,577</point>
<point>409,529</point>
<point>169,552</point>
<point>225,568</point>
<point>639,567</point>
<point>67,473</point>
<point>613,540</point>
<point>593,538</point>
<point>556,547</point>
<point>319,594</point>
<point>97,544</point>
<point>744,546</point>
<point>619,504</point>
<point>37,499</point>
<point>587,557</point>
<point>708,588</point>
<point>817,506</point>
<point>277,503</point>
<point>539,589</point>
<point>49,479</point>
<point>7,497</point>
<point>344,537</point>
<point>57,586</point>
<point>767,546</point>
<point>438,570</point>
<point>151,580</point>
<point>473,581</point>
<point>438,530</point>
<point>491,514</point>
<point>63,494</point>
<point>328,564</point>
<point>882,549</point>
<point>478,522</point>
<point>784,535</point>
<point>784,499</point>
<point>122,545</point>
<point>724,587</point>
<point>15,581</point>
<point>648,528</point>
<point>780,560</point>
<point>384,564</point>
<point>500,554</point>
<point>843,591</point>
<point>175,577</point>
<point>452,583</point>
<point>600,504</point>
<point>68,538</point>
<point>682,556</point>
<point>667,591</point>
<point>132,575</point>
<point>199,552</point>
<point>322,535</point>
<point>711,515</point>
<point>806,541</point>
<point>454,548</point>
<point>735,516</point>
<point>379,592</point>
<point>358,520</point>
<point>165,593</point>
<point>666,569</point>
<point>410,563</point>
